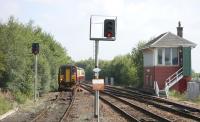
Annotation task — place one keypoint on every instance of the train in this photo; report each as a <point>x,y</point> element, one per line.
<point>69,76</point>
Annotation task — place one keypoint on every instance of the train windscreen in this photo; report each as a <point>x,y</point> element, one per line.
<point>62,70</point>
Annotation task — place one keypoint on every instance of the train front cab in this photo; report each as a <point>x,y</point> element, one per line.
<point>66,77</point>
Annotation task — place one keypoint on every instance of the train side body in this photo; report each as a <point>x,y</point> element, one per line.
<point>80,74</point>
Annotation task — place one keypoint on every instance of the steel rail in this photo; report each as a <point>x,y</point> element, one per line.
<point>154,116</point>
<point>187,108</point>
<point>125,114</point>
<point>140,98</point>
<point>65,115</point>
<point>46,109</point>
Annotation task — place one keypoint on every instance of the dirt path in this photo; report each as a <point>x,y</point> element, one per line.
<point>83,110</point>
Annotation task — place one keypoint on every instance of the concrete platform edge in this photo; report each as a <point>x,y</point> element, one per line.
<point>8,113</point>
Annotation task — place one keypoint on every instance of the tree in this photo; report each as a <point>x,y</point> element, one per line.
<point>137,60</point>
<point>126,69</point>
<point>88,66</point>
<point>17,61</point>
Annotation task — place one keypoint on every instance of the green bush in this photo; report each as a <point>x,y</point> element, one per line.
<point>5,105</point>
<point>20,97</point>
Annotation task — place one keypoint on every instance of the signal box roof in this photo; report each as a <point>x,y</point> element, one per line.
<point>169,39</point>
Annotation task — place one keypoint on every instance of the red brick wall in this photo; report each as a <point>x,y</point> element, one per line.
<point>150,71</point>
<point>160,74</point>
<point>181,86</point>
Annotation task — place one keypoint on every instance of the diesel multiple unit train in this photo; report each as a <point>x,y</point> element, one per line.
<point>69,76</point>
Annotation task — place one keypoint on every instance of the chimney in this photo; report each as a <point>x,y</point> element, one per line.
<point>179,30</point>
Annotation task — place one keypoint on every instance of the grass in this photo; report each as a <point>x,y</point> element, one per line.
<point>5,105</point>
<point>177,95</point>
<point>182,97</point>
<point>20,97</point>
<point>197,100</point>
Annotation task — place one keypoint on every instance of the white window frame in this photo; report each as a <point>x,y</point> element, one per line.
<point>156,57</point>
<point>177,57</point>
<point>163,57</point>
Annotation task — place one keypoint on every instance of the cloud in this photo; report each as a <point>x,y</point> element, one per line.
<point>47,2</point>
<point>113,7</point>
<point>8,8</point>
<point>68,21</point>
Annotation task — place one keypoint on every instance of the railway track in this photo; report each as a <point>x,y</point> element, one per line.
<point>131,111</point>
<point>65,115</point>
<point>176,110</point>
<point>161,100</point>
<point>64,101</point>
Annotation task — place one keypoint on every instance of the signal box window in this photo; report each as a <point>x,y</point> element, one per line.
<point>174,56</point>
<point>167,56</point>
<point>159,56</point>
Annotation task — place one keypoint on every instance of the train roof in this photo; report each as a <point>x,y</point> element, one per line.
<point>67,65</point>
<point>71,65</point>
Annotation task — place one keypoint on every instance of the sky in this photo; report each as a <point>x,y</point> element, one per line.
<point>137,20</point>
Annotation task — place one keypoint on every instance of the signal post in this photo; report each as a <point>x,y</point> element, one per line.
<point>35,51</point>
<point>101,28</point>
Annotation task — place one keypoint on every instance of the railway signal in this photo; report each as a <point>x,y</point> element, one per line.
<point>35,51</point>
<point>35,48</point>
<point>109,28</point>
<point>101,28</point>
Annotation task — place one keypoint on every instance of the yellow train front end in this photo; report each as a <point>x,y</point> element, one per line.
<point>67,77</point>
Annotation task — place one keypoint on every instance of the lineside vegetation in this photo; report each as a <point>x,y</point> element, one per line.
<point>125,69</point>
<point>17,61</point>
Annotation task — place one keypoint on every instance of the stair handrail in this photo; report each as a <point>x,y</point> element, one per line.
<point>177,76</point>
<point>174,76</point>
